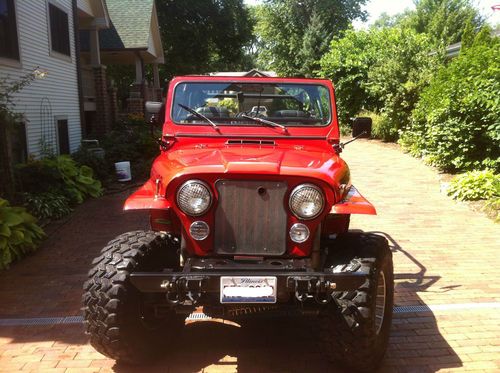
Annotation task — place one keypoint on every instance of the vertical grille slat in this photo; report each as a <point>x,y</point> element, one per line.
<point>250,218</point>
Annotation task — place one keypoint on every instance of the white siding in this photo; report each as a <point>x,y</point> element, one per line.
<point>85,6</point>
<point>59,87</point>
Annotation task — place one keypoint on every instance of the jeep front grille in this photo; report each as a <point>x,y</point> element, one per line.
<point>250,218</point>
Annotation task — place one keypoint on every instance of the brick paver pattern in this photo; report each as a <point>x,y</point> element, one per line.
<point>444,254</point>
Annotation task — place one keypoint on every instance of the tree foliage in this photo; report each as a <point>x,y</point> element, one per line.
<point>402,68</point>
<point>294,35</point>
<point>456,124</point>
<point>347,63</point>
<point>200,36</point>
<point>381,70</point>
<point>442,20</point>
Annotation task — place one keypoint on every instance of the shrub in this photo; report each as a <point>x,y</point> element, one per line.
<point>456,125</point>
<point>38,177</point>
<point>381,127</point>
<point>47,205</point>
<point>99,166</point>
<point>19,233</point>
<point>60,175</point>
<point>78,180</point>
<point>475,185</point>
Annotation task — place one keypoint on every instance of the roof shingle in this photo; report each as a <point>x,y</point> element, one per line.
<point>130,26</point>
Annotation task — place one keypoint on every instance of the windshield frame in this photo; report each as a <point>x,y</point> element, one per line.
<point>251,124</point>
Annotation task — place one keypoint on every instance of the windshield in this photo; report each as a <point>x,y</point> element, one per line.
<point>232,103</point>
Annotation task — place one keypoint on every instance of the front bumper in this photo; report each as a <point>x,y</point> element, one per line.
<point>295,277</point>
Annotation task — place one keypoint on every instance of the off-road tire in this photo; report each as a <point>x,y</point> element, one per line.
<point>113,308</point>
<point>348,328</point>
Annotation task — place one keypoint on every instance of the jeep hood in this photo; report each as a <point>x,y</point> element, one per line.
<point>311,160</point>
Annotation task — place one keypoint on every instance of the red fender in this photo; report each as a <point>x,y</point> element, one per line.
<point>353,203</point>
<point>146,198</point>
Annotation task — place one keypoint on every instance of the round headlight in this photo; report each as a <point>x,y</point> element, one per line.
<point>194,197</point>
<point>306,201</point>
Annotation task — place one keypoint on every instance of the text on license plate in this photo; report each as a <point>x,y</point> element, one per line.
<point>252,289</point>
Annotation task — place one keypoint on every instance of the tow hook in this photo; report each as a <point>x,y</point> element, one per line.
<point>171,295</point>
<point>184,287</point>
<point>311,287</point>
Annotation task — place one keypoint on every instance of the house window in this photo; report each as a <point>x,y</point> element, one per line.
<point>9,47</point>
<point>59,30</point>
<point>63,136</point>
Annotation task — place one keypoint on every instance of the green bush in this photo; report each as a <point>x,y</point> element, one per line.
<point>47,205</point>
<point>19,233</point>
<point>37,176</point>
<point>456,124</point>
<point>60,175</point>
<point>475,185</point>
<point>381,127</point>
<point>101,168</point>
<point>78,180</point>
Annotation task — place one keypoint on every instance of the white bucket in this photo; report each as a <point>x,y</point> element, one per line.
<point>123,172</point>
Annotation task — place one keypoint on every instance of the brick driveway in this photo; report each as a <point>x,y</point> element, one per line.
<point>447,294</point>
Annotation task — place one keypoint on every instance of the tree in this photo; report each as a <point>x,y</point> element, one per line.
<point>442,20</point>
<point>347,63</point>
<point>380,70</point>
<point>200,36</point>
<point>294,35</point>
<point>403,66</point>
<point>456,123</point>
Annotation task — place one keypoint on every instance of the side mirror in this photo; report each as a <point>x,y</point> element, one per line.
<point>362,127</point>
<point>153,109</point>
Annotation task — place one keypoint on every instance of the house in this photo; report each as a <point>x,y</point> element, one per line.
<point>251,73</point>
<point>133,38</point>
<point>453,50</point>
<point>45,35</point>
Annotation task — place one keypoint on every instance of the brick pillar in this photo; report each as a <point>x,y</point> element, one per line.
<point>113,104</point>
<point>135,102</point>
<point>103,117</point>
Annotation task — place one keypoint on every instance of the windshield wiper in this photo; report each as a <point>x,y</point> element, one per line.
<point>199,115</point>
<point>266,122</point>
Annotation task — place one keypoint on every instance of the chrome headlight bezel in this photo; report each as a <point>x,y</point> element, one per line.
<point>301,188</point>
<point>184,189</point>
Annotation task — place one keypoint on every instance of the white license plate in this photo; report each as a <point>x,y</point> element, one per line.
<point>248,289</point>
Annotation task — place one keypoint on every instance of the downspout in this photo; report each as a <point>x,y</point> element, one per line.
<point>76,33</point>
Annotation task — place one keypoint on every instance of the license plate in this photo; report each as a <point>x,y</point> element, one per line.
<point>248,289</point>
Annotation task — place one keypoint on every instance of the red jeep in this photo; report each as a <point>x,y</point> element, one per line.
<point>249,207</point>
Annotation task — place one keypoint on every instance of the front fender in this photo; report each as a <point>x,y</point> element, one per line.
<point>353,203</point>
<point>146,198</point>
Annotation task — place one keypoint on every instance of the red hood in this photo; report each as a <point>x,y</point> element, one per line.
<point>314,160</point>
